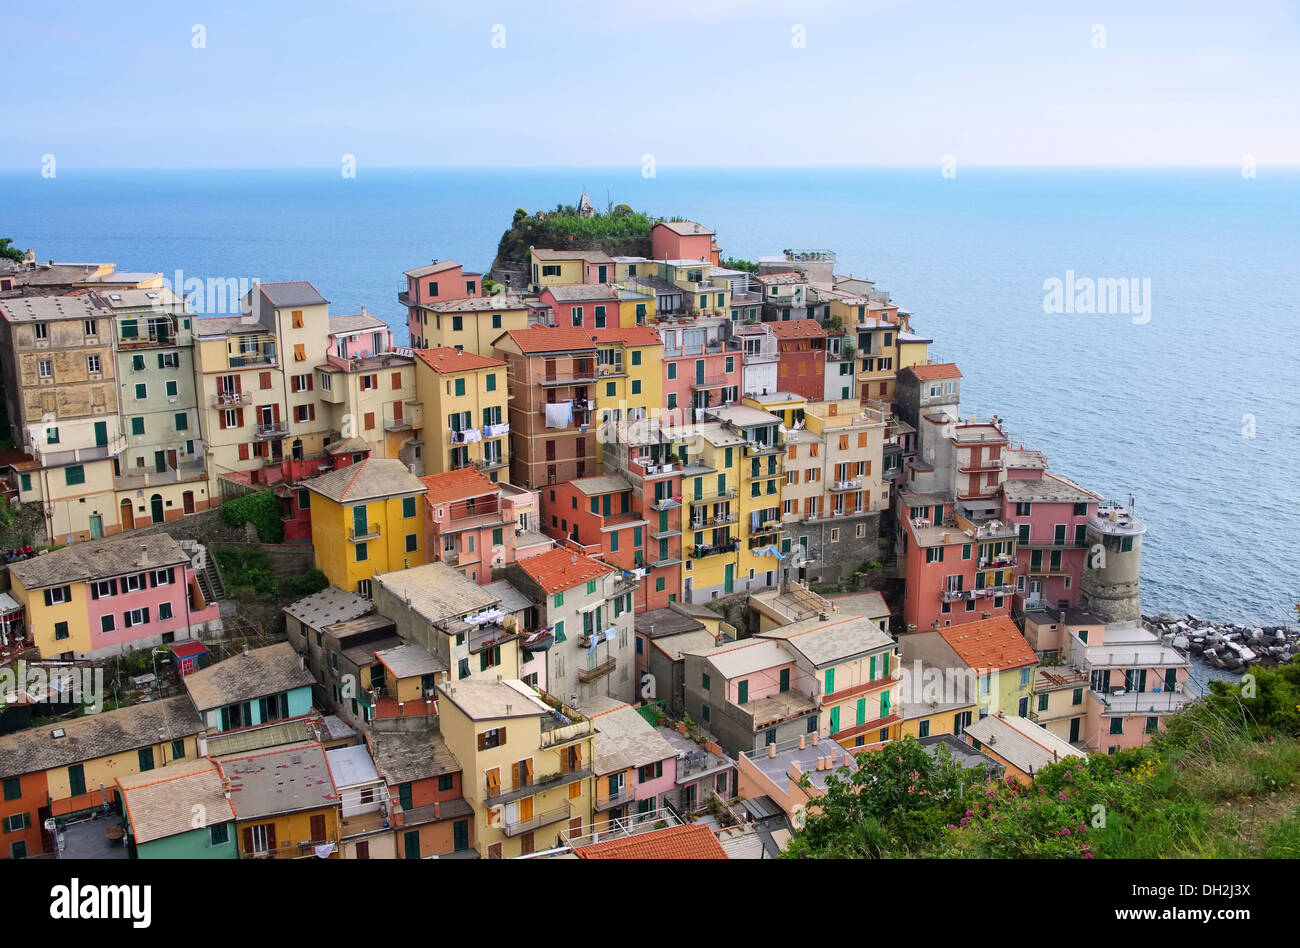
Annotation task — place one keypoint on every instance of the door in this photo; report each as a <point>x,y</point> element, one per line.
<point>363,849</point>
<point>171,459</point>
<point>96,526</point>
<point>1074,730</point>
<point>1171,679</point>
<point>411,844</point>
<point>460,835</point>
<point>318,828</point>
<point>187,501</point>
<point>785,679</point>
<point>101,433</point>
<point>128,515</point>
<point>156,507</point>
<point>1023,710</point>
<point>728,577</point>
<point>159,462</point>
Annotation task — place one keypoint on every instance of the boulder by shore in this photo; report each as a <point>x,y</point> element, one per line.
<point>1226,645</point>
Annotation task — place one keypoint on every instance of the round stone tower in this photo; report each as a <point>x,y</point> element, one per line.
<point>1110,585</point>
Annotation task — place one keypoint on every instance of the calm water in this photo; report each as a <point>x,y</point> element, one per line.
<point>1155,410</point>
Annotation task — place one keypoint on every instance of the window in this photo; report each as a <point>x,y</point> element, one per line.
<point>107,623</point>
<point>704,713</point>
<point>135,617</point>
<point>1024,676</point>
<point>363,552</point>
<point>704,680</point>
<point>557,600</point>
<point>42,331</point>
<point>182,421</point>
<point>164,610</point>
<point>146,758</point>
<point>1117,725</point>
<point>299,352</point>
<point>13,789</point>
<point>58,594</point>
<point>178,749</point>
<point>412,543</point>
<point>591,586</point>
<point>93,364</point>
<point>76,474</point>
<point>17,822</point>
<point>1152,725</point>
<point>219,834</point>
<point>496,320</point>
<point>137,425</point>
<point>493,737</point>
<point>45,368</point>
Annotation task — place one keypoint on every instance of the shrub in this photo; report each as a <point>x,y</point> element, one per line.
<point>262,510</point>
<point>312,581</point>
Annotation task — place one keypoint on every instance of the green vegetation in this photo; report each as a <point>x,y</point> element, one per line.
<point>618,231</point>
<point>734,263</point>
<point>262,510</point>
<point>248,571</point>
<point>8,252</point>
<point>1222,782</point>
<point>19,525</point>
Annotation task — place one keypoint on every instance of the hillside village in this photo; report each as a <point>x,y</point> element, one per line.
<point>684,540</point>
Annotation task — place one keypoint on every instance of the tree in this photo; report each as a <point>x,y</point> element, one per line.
<point>11,253</point>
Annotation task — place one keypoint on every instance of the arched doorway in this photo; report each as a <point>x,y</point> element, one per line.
<point>128,515</point>
<point>156,507</point>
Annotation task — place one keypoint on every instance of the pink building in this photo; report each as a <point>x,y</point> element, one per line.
<point>476,525</point>
<point>1049,514</point>
<point>581,305</point>
<point>636,766</point>
<point>356,337</point>
<point>683,240</point>
<point>700,371</point>
<point>438,282</point>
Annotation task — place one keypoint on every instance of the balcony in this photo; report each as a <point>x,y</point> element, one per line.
<point>518,827</point>
<point>141,478</point>
<point>714,496</point>
<point>371,533</point>
<point>145,341</point>
<point>100,452</point>
<point>841,486</point>
<point>667,503</point>
<point>231,399</point>
<point>597,671</point>
<point>711,381</point>
<point>707,523</point>
<point>955,595</point>
<point>609,801</point>
<point>582,377</point>
<point>705,550</point>
<point>276,429</point>
<point>758,448</point>
<point>563,725</point>
<point>1001,562</point>
<point>606,370</point>
<point>245,360</point>
<point>489,464</point>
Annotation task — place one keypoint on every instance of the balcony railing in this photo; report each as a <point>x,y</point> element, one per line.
<point>246,359</point>
<point>849,485</point>
<point>371,533</point>
<point>705,523</point>
<point>222,399</point>
<point>954,595</point>
<point>700,552</point>
<point>597,671</point>
<point>518,827</point>
<point>276,429</point>
<point>609,801</point>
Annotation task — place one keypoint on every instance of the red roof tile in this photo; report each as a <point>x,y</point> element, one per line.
<point>560,569</point>
<point>693,841</point>
<point>537,339</point>
<point>940,370</point>
<point>995,644</point>
<point>631,336</point>
<point>445,361</point>
<point>456,485</point>
<point>797,329</point>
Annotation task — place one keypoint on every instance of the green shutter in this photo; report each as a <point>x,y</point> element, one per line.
<point>830,681</point>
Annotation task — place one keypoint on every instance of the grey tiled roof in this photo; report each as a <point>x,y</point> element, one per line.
<point>372,479</point>
<point>417,755</point>
<point>436,591</point>
<point>160,803</point>
<point>623,738</point>
<point>358,323</point>
<point>283,780</point>
<point>244,677</point>
<point>32,309</point>
<point>98,735</point>
<point>329,606</point>
<point>100,559</point>
<point>298,293</point>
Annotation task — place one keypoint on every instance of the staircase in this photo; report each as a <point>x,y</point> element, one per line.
<point>209,577</point>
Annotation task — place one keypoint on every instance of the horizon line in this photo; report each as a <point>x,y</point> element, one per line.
<point>634,168</point>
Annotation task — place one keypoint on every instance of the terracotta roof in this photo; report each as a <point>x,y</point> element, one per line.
<point>161,803</point>
<point>537,339</point>
<point>693,841</point>
<point>443,360</point>
<point>631,336</point>
<point>995,644</point>
<point>797,329</point>
<point>456,485</point>
<point>942,370</point>
<point>560,569</point>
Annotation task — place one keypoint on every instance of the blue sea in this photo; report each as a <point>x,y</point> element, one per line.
<point>1193,411</point>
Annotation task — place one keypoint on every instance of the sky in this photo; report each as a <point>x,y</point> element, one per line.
<point>694,83</point>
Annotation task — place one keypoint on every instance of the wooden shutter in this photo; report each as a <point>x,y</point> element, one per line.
<point>318,828</point>
<point>275,412</point>
<point>248,839</point>
<point>237,388</point>
<point>397,380</point>
<point>243,452</point>
<point>264,379</point>
<point>516,770</point>
<point>239,417</point>
<point>528,772</point>
<point>310,383</point>
<point>370,420</point>
<point>270,835</point>
<point>311,412</point>
<point>862,439</point>
<point>493,780</point>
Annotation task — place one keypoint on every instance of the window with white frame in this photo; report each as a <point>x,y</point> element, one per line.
<point>44,367</point>
<point>93,365</point>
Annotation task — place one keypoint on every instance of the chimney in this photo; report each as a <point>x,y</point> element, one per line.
<point>203,746</point>
<point>437,810</point>
<point>771,750</point>
<point>801,742</point>
<point>144,555</point>
<point>986,615</point>
<point>814,738</point>
<point>245,650</point>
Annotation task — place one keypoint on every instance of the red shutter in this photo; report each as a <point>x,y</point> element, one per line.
<point>397,380</point>
<point>270,835</point>
<point>243,452</point>
<point>310,383</point>
<point>311,412</point>
<point>266,379</point>
<point>275,412</point>
<point>223,420</point>
<point>293,384</point>
<point>239,417</point>
<point>237,388</point>
<point>248,839</point>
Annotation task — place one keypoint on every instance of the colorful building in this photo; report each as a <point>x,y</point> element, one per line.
<point>95,599</point>
<point>254,688</point>
<point>430,816</point>
<point>636,769</point>
<point>989,659</point>
<point>366,519</point>
<point>1019,744</point>
<point>429,286</point>
<point>801,357</point>
<point>285,803</point>
<point>179,813</point>
<point>471,523</point>
<point>462,415</point>
<point>527,764</point>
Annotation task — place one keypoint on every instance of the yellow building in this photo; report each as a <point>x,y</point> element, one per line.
<point>629,370</point>
<point>701,294</point>
<point>254,376</point>
<point>711,526</point>
<point>371,400</point>
<point>463,398</point>
<point>527,770</point>
<point>986,663</point>
<point>471,324</point>
<point>634,307</point>
<point>930,719</point>
<point>566,267</point>
<point>366,518</point>
<point>284,800</point>
<point>912,350</point>
<point>853,444</point>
